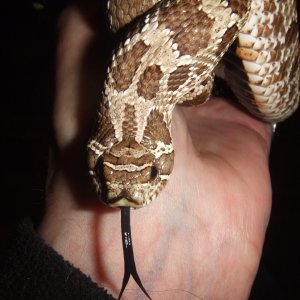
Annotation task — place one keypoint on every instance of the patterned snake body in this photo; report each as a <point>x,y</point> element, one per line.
<point>169,58</point>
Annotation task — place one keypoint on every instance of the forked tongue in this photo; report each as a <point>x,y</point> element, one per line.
<point>129,263</point>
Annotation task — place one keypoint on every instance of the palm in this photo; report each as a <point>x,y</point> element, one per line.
<point>204,233</point>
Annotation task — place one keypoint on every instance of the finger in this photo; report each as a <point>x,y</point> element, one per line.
<point>78,75</point>
<point>79,69</point>
<point>218,112</point>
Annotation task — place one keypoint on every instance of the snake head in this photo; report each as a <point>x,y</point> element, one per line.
<point>129,173</point>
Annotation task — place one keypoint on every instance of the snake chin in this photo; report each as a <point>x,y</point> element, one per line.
<point>135,196</point>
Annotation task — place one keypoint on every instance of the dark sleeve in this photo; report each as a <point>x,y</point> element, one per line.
<point>29,269</point>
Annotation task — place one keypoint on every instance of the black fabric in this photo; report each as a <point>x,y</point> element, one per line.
<point>29,269</point>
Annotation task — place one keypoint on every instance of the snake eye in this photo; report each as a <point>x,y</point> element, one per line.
<point>153,173</point>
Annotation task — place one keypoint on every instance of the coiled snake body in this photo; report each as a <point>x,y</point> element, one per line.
<point>169,57</point>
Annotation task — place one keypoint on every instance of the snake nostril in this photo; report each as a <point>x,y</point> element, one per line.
<point>153,173</point>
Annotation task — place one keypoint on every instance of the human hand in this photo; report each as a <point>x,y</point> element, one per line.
<point>202,237</point>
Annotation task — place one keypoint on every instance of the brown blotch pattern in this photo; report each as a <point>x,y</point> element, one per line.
<point>125,177</point>
<point>269,5</point>
<point>191,27</point>
<point>291,60</point>
<point>124,153</point>
<point>201,98</point>
<point>125,66</point>
<point>278,22</point>
<point>104,131</point>
<point>227,39</point>
<point>201,68</point>
<point>267,31</point>
<point>148,84</point>
<point>123,12</point>
<point>239,7</point>
<point>295,67</point>
<point>197,100</point>
<point>156,130</point>
<point>291,34</point>
<point>178,77</point>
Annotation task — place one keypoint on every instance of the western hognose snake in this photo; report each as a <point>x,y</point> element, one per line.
<point>169,57</point>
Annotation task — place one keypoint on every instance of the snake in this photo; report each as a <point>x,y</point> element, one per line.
<point>169,54</point>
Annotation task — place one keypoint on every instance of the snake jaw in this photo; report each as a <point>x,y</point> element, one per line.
<point>124,201</point>
<point>135,196</point>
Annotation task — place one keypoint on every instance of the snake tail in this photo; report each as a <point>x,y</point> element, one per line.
<point>129,263</point>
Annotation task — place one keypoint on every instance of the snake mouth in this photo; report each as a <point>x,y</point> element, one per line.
<point>121,201</point>
<point>124,199</point>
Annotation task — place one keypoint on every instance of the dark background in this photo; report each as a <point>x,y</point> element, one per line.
<point>27,60</point>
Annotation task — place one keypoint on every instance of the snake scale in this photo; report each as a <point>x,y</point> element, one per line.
<point>169,56</point>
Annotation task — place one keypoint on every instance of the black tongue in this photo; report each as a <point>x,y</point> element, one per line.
<point>129,263</point>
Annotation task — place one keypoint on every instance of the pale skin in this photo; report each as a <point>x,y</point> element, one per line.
<point>202,237</point>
